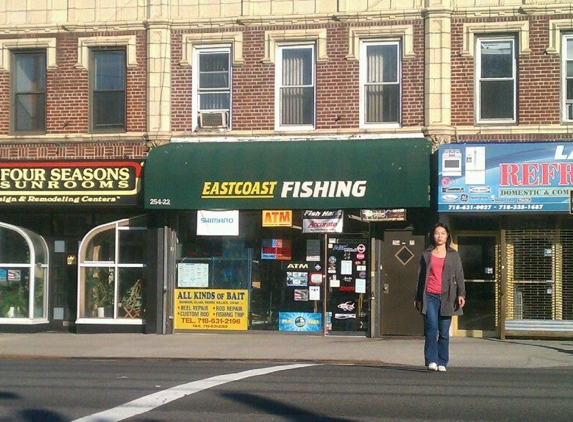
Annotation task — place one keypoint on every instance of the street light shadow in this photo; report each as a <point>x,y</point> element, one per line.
<point>273,407</point>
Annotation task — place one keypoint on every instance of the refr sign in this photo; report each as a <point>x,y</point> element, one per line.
<point>277,218</point>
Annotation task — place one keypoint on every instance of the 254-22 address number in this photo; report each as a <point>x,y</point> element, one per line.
<point>159,201</point>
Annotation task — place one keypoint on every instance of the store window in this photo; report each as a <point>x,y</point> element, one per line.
<point>380,76</point>
<point>108,90</point>
<point>111,272</point>
<point>23,275</point>
<point>295,87</point>
<point>29,91</point>
<point>496,80</point>
<point>568,78</point>
<point>212,87</point>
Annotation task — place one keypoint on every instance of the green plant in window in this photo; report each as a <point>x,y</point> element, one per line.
<point>103,294</point>
<point>14,299</point>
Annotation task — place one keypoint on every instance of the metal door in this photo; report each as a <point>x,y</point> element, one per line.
<point>399,256</point>
<point>479,252</point>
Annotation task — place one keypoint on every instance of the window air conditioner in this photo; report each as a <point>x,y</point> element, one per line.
<point>213,120</point>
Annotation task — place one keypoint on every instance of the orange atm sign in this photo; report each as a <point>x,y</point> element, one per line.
<point>277,218</point>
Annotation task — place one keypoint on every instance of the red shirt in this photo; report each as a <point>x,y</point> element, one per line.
<point>435,276</point>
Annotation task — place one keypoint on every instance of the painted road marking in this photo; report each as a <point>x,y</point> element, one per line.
<point>151,401</point>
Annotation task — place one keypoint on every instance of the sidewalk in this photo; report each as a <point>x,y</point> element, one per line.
<point>274,346</point>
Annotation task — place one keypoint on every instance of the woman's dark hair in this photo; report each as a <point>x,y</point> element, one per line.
<point>446,228</point>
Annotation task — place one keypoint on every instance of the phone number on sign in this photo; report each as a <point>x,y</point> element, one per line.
<point>500,207</point>
<point>218,320</point>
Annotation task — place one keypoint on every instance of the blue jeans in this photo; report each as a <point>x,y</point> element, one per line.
<point>437,333</point>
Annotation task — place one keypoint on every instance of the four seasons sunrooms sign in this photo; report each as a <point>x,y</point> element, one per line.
<point>70,182</point>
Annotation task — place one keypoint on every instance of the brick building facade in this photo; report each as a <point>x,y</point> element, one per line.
<point>101,85</point>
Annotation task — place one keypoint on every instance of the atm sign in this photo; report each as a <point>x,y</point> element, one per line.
<point>277,218</point>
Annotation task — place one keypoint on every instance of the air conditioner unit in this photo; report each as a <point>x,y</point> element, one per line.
<point>213,120</point>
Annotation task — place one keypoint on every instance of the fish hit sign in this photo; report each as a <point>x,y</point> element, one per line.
<point>277,218</point>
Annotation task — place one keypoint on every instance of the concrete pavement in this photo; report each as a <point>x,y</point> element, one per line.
<point>275,346</point>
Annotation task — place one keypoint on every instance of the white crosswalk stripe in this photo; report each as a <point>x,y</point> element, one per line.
<point>152,401</point>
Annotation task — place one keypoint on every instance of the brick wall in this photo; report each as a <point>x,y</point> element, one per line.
<point>67,105</point>
<point>538,79</point>
<point>337,83</point>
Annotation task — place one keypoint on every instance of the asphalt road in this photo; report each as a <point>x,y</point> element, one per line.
<point>87,390</point>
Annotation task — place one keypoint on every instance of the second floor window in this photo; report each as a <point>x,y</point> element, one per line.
<point>496,80</point>
<point>108,91</point>
<point>568,83</point>
<point>29,92</point>
<point>295,87</point>
<point>213,87</point>
<point>380,83</point>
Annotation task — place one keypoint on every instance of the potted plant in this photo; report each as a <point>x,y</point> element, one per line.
<point>14,299</point>
<point>103,297</point>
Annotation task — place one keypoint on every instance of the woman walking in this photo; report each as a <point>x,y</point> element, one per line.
<point>440,294</point>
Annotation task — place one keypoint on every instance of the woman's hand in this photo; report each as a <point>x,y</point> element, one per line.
<point>461,301</point>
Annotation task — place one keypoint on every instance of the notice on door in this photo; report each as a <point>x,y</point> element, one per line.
<point>211,309</point>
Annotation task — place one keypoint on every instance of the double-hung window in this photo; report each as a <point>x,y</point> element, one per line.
<point>295,82</point>
<point>213,87</point>
<point>496,80</point>
<point>29,91</point>
<point>380,75</point>
<point>568,82</point>
<point>108,90</point>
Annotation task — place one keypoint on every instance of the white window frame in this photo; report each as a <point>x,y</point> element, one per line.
<point>478,80</point>
<point>278,86</point>
<point>364,81</point>
<point>196,109</point>
<point>567,107</point>
<point>115,265</point>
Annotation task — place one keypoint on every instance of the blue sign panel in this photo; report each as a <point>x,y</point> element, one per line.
<point>300,321</point>
<point>505,177</point>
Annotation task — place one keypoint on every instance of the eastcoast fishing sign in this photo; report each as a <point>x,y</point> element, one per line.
<point>70,182</point>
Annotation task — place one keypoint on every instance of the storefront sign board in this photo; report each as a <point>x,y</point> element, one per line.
<point>505,177</point>
<point>93,183</point>
<point>300,321</point>
<point>211,309</point>
<point>263,175</point>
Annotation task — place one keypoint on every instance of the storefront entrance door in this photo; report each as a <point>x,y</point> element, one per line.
<point>400,257</point>
<point>348,294</point>
<point>478,253</point>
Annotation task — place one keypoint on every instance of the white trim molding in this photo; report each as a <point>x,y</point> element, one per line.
<point>357,34</point>
<point>190,41</point>
<point>302,35</point>
<point>85,43</point>
<point>471,29</point>
<point>27,43</point>
<point>555,28</point>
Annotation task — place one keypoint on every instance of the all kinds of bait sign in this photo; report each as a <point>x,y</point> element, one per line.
<point>211,309</point>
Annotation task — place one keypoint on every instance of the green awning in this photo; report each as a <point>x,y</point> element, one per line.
<point>383,173</point>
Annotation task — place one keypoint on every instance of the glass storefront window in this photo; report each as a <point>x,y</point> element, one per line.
<point>23,269</point>
<point>111,272</point>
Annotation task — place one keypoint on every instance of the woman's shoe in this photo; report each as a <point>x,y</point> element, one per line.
<point>433,366</point>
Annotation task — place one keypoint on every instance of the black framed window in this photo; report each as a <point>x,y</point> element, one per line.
<point>29,91</point>
<point>108,93</point>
